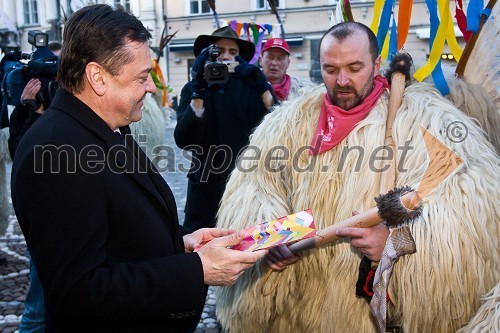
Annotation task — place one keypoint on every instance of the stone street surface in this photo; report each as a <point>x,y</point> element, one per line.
<point>14,263</point>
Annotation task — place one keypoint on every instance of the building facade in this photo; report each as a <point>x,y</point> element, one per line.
<point>304,23</point>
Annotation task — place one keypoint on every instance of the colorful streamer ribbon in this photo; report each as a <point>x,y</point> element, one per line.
<point>474,10</point>
<point>445,32</point>
<point>385,20</point>
<point>159,81</point>
<point>251,29</point>
<point>377,10</point>
<point>461,19</point>
<point>404,16</point>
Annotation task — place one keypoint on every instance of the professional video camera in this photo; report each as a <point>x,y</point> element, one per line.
<point>40,64</point>
<point>217,71</point>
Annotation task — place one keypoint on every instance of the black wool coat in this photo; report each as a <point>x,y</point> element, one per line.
<point>101,225</point>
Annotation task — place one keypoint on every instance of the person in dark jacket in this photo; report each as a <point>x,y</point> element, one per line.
<point>99,220</point>
<point>215,120</point>
<point>21,119</point>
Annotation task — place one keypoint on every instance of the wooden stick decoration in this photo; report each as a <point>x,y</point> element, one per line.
<point>211,4</point>
<point>348,11</point>
<point>462,63</point>
<point>397,74</point>
<point>274,10</point>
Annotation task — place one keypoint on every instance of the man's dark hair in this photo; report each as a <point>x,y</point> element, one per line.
<point>345,29</point>
<point>97,33</point>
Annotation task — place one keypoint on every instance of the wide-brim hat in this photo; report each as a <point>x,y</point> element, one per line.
<point>247,49</point>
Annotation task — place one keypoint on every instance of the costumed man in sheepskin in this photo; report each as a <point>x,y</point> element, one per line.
<point>284,170</point>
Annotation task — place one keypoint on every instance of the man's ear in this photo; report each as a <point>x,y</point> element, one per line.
<point>96,77</point>
<point>377,65</point>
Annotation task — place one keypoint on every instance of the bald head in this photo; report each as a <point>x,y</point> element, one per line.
<point>344,30</point>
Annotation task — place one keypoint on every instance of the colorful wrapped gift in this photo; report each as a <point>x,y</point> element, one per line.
<point>284,230</point>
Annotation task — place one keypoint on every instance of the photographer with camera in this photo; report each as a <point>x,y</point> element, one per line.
<point>21,119</point>
<point>32,105</point>
<point>218,111</point>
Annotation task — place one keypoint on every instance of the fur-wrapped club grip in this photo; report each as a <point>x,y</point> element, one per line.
<point>399,206</point>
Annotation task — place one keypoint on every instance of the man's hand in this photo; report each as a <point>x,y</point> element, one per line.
<point>253,75</point>
<point>31,89</point>
<point>370,241</point>
<point>195,240</point>
<point>199,64</point>
<point>223,266</point>
<point>281,257</point>
<point>28,97</point>
<point>198,83</point>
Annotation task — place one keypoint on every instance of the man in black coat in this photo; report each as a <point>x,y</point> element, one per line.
<point>216,118</point>
<point>100,222</point>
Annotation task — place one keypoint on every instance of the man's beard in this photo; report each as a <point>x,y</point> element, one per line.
<point>357,97</point>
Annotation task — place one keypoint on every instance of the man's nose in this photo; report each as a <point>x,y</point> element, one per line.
<point>150,85</point>
<point>342,78</point>
<point>225,56</point>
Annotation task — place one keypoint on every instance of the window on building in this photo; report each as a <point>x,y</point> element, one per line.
<point>264,4</point>
<point>199,7</point>
<point>30,12</point>
<point>124,3</point>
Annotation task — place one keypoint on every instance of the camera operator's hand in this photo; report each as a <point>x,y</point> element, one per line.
<point>199,63</point>
<point>253,75</point>
<point>198,83</point>
<point>28,97</point>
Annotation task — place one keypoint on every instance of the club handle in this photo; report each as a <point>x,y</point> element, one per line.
<point>367,219</point>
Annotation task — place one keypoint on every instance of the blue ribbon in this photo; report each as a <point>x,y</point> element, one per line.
<point>385,19</point>
<point>393,42</point>
<point>437,73</point>
<point>474,10</point>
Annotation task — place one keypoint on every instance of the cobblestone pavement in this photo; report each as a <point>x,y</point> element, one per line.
<point>14,263</point>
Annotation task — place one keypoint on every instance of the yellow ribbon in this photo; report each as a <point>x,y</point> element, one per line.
<point>437,45</point>
<point>377,12</point>
<point>446,32</point>
<point>451,39</point>
<point>385,48</point>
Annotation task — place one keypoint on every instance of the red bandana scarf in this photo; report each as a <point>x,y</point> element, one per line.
<point>281,90</point>
<point>336,123</point>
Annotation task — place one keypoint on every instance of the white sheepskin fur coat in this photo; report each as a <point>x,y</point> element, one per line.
<point>437,289</point>
<point>151,131</point>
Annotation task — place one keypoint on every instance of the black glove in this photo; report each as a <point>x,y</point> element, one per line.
<point>30,104</point>
<point>198,83</point>
<point>253,76</point>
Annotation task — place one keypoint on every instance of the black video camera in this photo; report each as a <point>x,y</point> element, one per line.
<point>217,71</point>
<point>41,64</point>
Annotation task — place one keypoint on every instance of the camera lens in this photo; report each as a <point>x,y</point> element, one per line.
<point>215,72</point>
